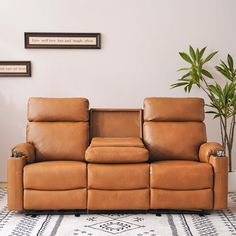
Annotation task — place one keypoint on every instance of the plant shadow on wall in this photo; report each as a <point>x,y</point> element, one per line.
<point>12,127</point>
<point>222,97</point>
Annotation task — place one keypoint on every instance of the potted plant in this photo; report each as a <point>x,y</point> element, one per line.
<point>222,97</point>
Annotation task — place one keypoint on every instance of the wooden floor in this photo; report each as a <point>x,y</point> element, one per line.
<point>3,185</point>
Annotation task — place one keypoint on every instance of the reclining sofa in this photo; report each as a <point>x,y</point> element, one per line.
<point>116,159</point>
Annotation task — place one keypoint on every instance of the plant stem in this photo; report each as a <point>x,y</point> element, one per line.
<point>222,134</point>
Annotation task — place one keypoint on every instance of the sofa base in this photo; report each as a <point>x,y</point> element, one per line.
<point>77,213</point>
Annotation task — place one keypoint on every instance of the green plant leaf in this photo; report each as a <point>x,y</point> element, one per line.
<point>209,57</point>
<point>214,90</point>
<point>207,74</point>
<point>202,52</point>
<point>185,57</point>
<point>197,55</point>
<point>223,65</point>
<point>181,69</point>
<point>192,53</point>
<point>185,76</point>
<point>178,84</point>
<point>217,115</point>
<point>224,71</point>
<point>230,62</point>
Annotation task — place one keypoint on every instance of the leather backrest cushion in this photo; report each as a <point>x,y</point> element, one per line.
<point>58,109</point>
<point>59,140</point>
<point>174,109</point>
<point>116,123</point>
<point>174,140</point>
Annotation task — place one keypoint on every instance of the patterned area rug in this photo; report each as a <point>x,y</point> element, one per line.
<point>218,223</point>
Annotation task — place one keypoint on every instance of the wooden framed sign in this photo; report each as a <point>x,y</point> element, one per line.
<point>63,40</point>
<point>15,68</point>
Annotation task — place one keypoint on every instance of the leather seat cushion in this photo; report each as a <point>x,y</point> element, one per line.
<point>181,175</point>
<point>55,175</point>
<point>118,176</point>
<point>116,150</point>
<point>117,142</point>
<point>116,154</point>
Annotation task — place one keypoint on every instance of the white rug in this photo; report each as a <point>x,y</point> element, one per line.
<point>218,223</point>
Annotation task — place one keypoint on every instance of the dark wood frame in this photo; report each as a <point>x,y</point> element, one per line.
<point>13,63</point>
<point>63,46</point>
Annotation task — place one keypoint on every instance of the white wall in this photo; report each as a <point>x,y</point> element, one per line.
<point>140,41</point>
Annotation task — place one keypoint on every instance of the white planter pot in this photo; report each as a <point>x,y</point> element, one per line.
<point>232,181</point>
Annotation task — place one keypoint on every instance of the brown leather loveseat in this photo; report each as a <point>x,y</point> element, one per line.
<point>116,159</point>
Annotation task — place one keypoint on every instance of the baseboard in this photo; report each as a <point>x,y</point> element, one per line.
<point>232,181</point>
<point>3,184</point>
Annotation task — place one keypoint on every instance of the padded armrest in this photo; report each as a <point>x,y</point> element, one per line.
<point>26,150</point>
<point>22,154</point>
<point>209,149</point>
<point>220,168</point>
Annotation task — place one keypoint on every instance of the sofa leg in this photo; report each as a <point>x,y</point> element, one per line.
<point>204,213</point>
<point>31,215</point>
<point>201,213</point>
<point>77,215</point>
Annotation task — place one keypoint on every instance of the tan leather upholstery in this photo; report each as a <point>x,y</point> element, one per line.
<point>220,169</point>
<point>167,126</point>
<point>117,142</point>
<point>174,132</point>
<point>181,175</point>
<point>58,109</point>
<point>180,172</point>
<point>193,199</point>
<point>56,200</point>
<point>55,175</point>
<point>59,140</point>
<point>118,176</point>
<point>15,183</point>
<point>27,150</point>
<point>117,186</point>
<point>173,109</point>
<point>220,166</point>
<point>58,130</point>
<point>116,155</point>
<point>118,200</point>
<point>116,150</point>
<point>173,140</point>
<point>116,123</point>
<point>208,149</point>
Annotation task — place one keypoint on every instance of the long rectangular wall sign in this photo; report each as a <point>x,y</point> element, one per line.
<point>15,68</point>
<point>63,40</point>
